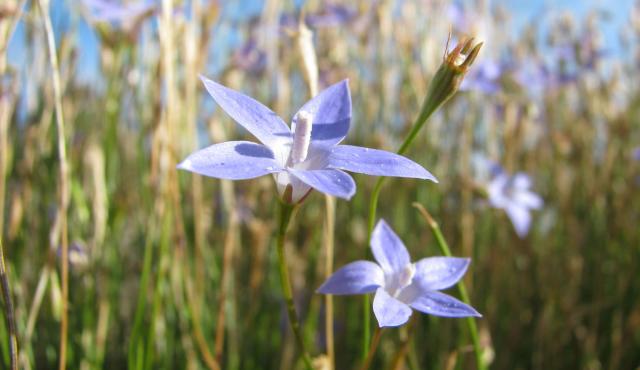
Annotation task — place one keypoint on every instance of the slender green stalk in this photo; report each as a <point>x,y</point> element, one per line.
<point>427,110</point>
<point>462,290</point>
<point>372,349</point>
<point>136,351</point>
<point>9,315</point>
<point>64,181</point>
<point>442,87</point>
<point>286,211</point>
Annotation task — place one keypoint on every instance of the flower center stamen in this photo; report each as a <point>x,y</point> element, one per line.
<point>301,138</point>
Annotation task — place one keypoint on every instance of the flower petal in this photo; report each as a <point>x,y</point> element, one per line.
<point>355,278</point>
<point>331,111</point>
<point>520,218</point>
<point>259,120</point>
<point>328,181</point>
<point>521,181</point>
<point>388,249</point>
<point>435,273</point>
<point>376,163</point>
<point>388,310</point>
<point>440,304</point>
<point>234,160</point>
<point>528,199</point>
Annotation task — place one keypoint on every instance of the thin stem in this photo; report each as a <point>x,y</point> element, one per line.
<point>64,180</point>
<point>462,290</point>
<point>8,308</point>
<point>428,107</point>
<point>372,349</point>
<point>286,211</point>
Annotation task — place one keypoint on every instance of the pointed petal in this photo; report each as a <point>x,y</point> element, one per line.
<point>376,163</point>
<point>528,199</point>
<point>234,160</point>
<point>440,304</point>
<point>331,111</point>
<point>388,249</point>
<point>521,181</point>
<point>259,120</point>
<point>520,218</point>
<point>388,310</point>
<point>355,278</point>
<point>329,181</point>
<point>435,273</point>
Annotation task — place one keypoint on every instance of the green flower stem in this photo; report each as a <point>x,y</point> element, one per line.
<point>462,290</point>
<point>442,87</point>
<point>286,211</point>
<point>9,313</point>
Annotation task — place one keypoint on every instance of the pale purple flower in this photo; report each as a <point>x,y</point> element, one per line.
<point>636,153</point>
<point>399,284</point>
<point>304,157</point>
<point>118,12</point>
<point>513,194</point>
<point>483,78</point>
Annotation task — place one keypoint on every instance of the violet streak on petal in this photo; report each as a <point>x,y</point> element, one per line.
<point>259,120</point>
<point>388,310</point>
<point>376,162</point>
<point>440,304</point>
<point>331,111</point>
<point>388,249</point>
<point>233,160</point>
<point>355,278</point>
<point>329,181</point>
<point>436,273</point>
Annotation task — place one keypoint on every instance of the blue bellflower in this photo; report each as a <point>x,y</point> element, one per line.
<point>399,284</point>
<point>118,12</point>
<point>513,194</point>
<point>304,157</point>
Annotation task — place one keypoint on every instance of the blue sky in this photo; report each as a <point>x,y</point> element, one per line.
<point>522,12</point>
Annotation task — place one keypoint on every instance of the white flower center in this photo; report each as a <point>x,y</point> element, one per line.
<point>301,138</point>
<point>400,280</point>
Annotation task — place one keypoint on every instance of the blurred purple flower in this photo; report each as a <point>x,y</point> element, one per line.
<point>333,15</point>
<point>116,12</point>
<point>485,77</point>
<point>459,18</point>
<point>302,158</point>
<point>512,194</point>
<point>401,285</point>
<point>250,58</point>
<point>636,154</point>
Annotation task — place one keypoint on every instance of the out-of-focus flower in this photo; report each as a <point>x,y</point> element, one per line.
<point>250,58</point>
<point>485,78</point>
<point>513,195</point>
<point>399,284</point>
<point>302,158</point>
<point>77,256</point>
<point>636,154</point>
<point>122,15</point>
<point>332,15</point>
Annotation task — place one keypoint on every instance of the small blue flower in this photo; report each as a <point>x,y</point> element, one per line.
<point>302,158</point>
<point>485,78</point>
<point>116,12</point>
<point>401,285</point>
<point>512,194</point>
